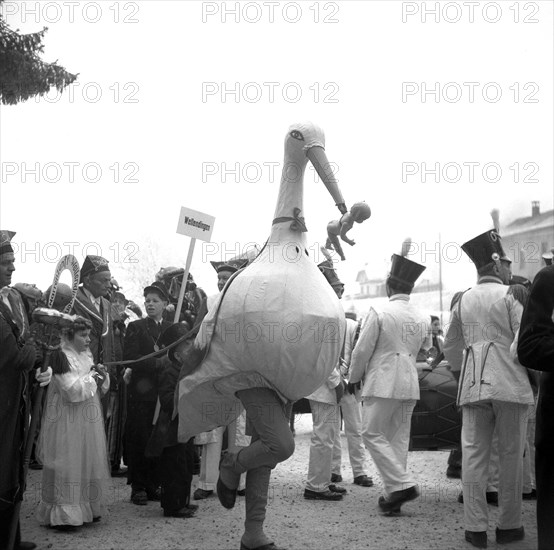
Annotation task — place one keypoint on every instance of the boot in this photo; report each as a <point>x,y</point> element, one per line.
<point>257,487</point>
<point>229,479</point>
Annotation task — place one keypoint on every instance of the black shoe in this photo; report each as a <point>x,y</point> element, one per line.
<point>504,536</point>
<point>185,512</point>
<point>364,481</point>
<point>226,496</point>
<point>24,545</point>
<point>491,496</point>
<point>96,519</point>
<point>337,489</point>
<point>119,472</point>
<point>530,496</point>
<point>324,495</point>
<point>201,494</point>
<point>241,492</point>
<point>269,546</point>
<point>336,478</point>
<point>397,498</point>
<point>454,472</point>
<point>477,538</point>
<point>382,502</point>
<point>139,497</point>
<point>34,465</point>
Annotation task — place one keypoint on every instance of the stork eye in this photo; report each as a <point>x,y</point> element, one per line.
<point>297,135</point>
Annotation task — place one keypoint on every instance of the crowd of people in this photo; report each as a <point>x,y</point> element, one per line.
<point>110,410</point>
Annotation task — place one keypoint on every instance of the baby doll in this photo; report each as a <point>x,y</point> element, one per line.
<point>359,212</point>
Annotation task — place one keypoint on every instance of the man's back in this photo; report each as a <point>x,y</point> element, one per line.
<point>482,328</point>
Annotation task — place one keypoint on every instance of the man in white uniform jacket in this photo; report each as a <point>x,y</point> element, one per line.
<point>385,360</point>
<point>494,390</point>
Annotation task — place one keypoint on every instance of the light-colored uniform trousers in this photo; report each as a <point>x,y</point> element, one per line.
<point>529,482</point>
<point>326,424</point>
<point>211,454</point>
<point>480,420</point>
<point>386,434</point>
<point>352,416</point>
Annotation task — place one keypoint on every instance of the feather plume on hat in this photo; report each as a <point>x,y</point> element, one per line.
<point>406,247</point>
<point>495,215</point>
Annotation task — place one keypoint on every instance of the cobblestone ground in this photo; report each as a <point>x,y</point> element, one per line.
<point>434,521</point>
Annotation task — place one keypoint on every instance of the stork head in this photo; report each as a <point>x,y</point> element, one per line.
<point>306,141</point>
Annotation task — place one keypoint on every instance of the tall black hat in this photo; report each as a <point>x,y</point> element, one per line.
<point>404,272</point>
<point>485,249</point>
<point>159,288</point>
<point>94,264</point>
<point>547,257</point>
<point>232,265</point>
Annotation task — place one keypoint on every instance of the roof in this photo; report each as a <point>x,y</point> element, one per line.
<point>530,223</point>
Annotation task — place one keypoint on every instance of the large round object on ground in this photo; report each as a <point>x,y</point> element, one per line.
<point>436,422</point>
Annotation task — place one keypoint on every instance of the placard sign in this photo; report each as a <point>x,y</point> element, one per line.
<point>195,224</point>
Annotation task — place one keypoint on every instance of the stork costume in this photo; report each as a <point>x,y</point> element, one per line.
<point>259,346</point>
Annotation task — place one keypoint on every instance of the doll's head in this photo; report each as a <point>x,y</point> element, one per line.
<point>360,211</point>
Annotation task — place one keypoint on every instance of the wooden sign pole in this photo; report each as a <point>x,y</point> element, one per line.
<point>185,280</point>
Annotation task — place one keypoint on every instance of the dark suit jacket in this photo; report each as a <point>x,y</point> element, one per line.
<point>15,362</point>
<point>535,350</point>
<point>140,338</point>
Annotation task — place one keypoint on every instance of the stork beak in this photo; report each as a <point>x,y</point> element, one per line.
<point>318,158</point>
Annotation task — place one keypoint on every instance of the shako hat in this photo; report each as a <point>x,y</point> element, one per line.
<point>404,272</point>
<point>548,257</point>
<point>172,334</point>
<point>94,264</point>
<point>159,288</point>
<point>5,241</point>
<point>485,249</point>
<point>231,265</point>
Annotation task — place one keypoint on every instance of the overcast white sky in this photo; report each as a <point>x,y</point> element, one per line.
<point>158,135</point>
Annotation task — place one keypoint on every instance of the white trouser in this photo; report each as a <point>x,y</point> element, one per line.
<point>211,454</point>
<point>529,482</point>
<point>209,464</point>
<point>480,420</point>
<point>494,465</point>
<point>352,416</point>
<point>326,423</point>
<point>386,434</point>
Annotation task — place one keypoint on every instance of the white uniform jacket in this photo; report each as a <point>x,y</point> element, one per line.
<point>386,352</point>
<point>482,328</point>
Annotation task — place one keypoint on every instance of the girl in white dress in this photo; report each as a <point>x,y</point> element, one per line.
<point>72,442</point>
